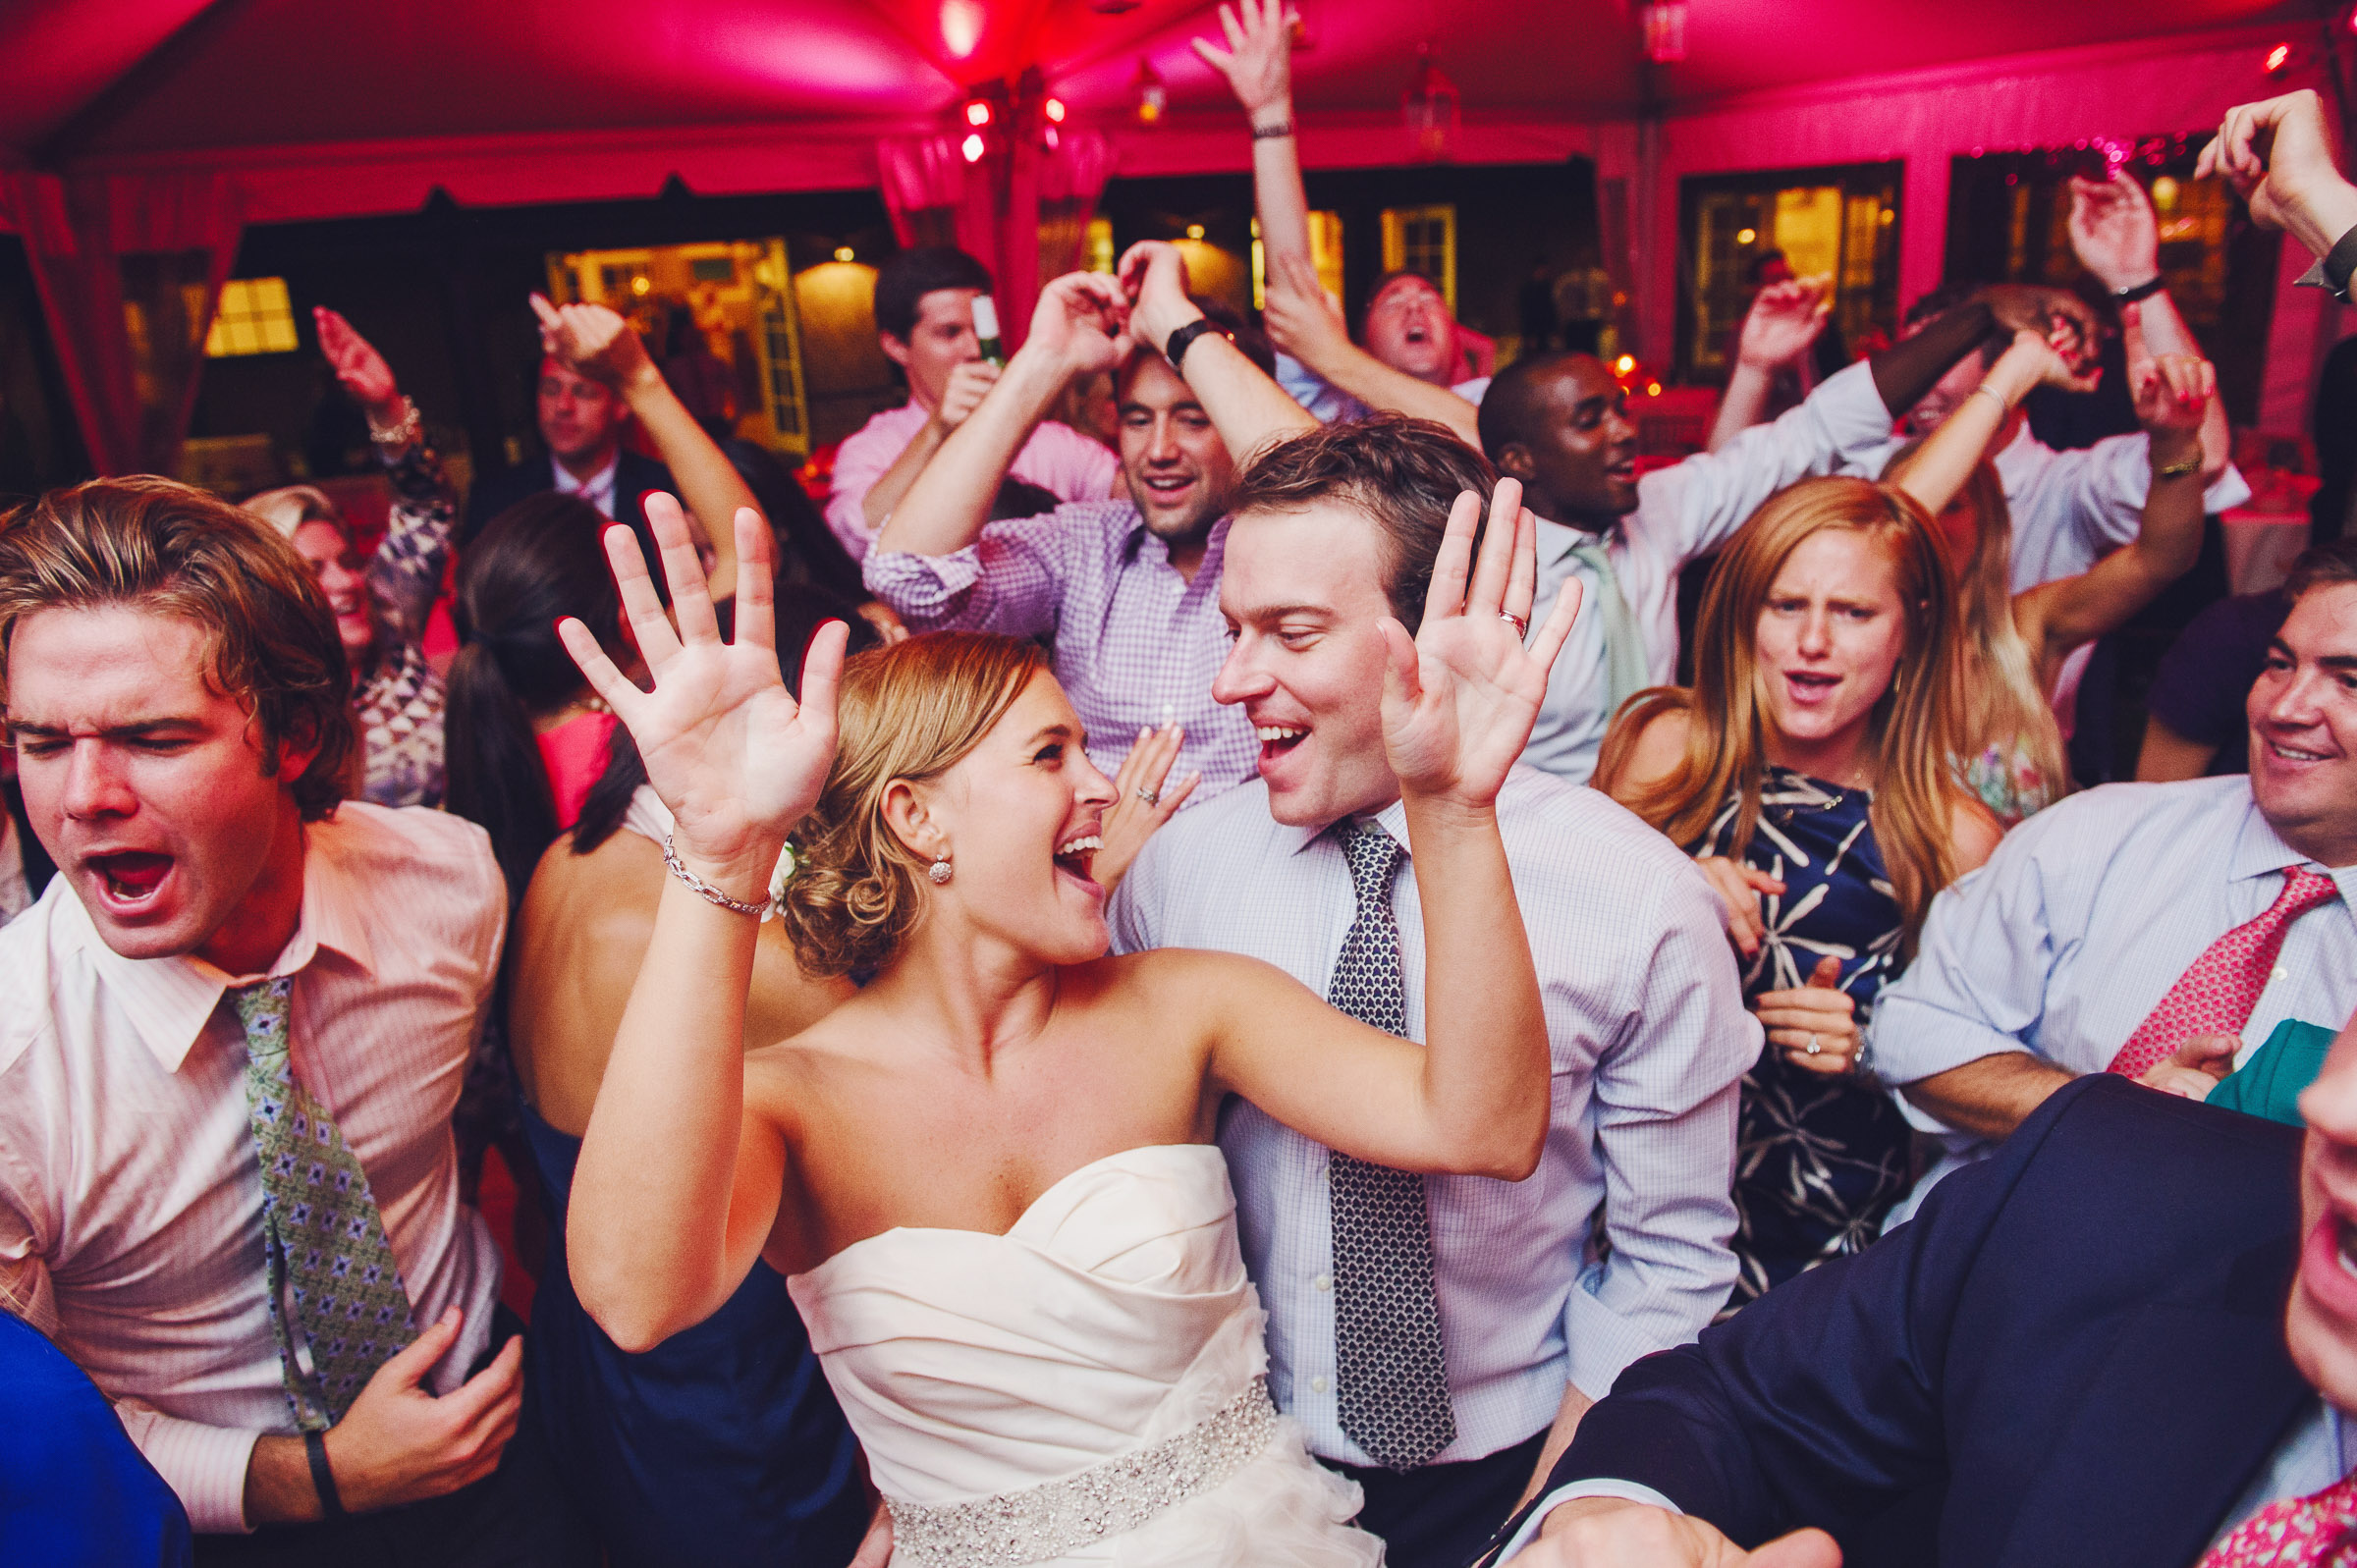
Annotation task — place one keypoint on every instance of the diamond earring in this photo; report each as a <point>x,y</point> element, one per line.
<point>939,870</point>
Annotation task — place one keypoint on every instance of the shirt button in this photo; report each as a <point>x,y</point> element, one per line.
<point>1318,1384</point>
<point>1321,1282</point>
<point>2280,973</point>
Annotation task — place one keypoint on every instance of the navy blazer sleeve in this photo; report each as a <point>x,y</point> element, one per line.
<point>1861,1383</point>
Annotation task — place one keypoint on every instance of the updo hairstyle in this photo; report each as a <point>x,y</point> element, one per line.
<point>911,711</point>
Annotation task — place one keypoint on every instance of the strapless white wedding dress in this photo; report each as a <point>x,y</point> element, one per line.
<point>1088,1388</point>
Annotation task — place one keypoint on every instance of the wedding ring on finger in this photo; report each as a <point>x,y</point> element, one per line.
<point>1814,1046</point>
<point>1520,624</point>
<point>1152,797</point>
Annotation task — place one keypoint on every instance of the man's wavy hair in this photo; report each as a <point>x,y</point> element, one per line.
<point>157,545</point>
<point>1404,474</point>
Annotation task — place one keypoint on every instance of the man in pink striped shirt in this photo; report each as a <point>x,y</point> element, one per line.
<point>925,321</point>
<point>235,968</point>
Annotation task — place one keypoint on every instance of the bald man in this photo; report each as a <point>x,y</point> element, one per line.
<point>1560,424</point>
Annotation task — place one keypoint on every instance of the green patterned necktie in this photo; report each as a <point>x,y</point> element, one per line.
<point>1624,669</point>
<point>323,1235</point>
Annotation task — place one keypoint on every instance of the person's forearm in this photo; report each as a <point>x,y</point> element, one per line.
<point>278,1484</point>
<point>1575,1404</point>
<point>1912,366</point>
<point>2168,757</point>
<point>1950,455</point>
<point>647,1230</point>
<point>1247,406</point>
<point>1359,374</point>
<point>2320,218</point>
<point>946,507</point>
<point>1485,1033</point>
<point>1989,1096</point>
<point>884,497</point>
<point>1740,407</point>
<point>710,487</point>
<point>2165,332</point>
<point>1278,196</point>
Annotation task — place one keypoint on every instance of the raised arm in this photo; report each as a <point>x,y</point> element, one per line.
<point>1075,331</point>
<point>1459,701</point>
<point>2176,397</point>
<point>1258,65</point>
<point>2116,236</point>
<point>1949,456</point>
<point>1247,406</point>
<point>1783,323</point>
<point>677,1186</point>
<point>2279,155</point>
<point>408,563</point>
<point>598,343</point>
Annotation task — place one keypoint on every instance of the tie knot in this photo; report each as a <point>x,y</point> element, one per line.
<point>262,1009</point>
<point>1374,856</point>
<point>2304,890</point>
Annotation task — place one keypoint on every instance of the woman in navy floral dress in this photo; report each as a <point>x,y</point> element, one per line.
<point>1808,772</point>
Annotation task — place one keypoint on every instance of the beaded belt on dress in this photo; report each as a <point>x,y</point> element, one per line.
<point>1056,1517</point>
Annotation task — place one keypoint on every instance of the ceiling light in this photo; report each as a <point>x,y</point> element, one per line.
<point>1054,110</point>
<point>1195,231</point>
<point>843,252</point>
<point>2277,58</point>
<point>971,146</point>
<point>1153,98</point>
<point>1429,108</point>
<point>977,114</point>
<point>1665,23</point>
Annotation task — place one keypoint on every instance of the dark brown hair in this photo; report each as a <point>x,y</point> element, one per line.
<point>2325,565</point>
<point>158,545</point>
<point>1404,474</point>
<point>909,711</point>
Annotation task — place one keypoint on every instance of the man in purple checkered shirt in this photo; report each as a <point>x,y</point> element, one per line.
<point>1129,589</point>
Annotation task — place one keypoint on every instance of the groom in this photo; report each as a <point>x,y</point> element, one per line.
<point>1438,1337</point>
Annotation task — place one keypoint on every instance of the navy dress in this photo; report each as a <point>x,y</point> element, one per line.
<point>721,1445</point>
<point>1819,1160</point>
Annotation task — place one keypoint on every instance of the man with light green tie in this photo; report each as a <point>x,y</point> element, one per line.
<point>1560,424</point>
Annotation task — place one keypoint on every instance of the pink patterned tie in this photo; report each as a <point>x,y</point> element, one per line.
<point>2216,995</point>
<point>2314,1532</point>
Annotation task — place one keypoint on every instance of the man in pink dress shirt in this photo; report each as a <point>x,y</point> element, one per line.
<point>179,705</point>
<point>925,321</point>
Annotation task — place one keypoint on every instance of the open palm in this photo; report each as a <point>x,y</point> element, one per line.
<point>1459,698</point>
<point>734,756</point>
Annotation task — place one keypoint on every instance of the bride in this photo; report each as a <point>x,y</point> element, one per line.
<point>989,1176</point>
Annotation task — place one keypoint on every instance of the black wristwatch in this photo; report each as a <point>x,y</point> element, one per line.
<point>2142,291</point>
<point>1184,338</point>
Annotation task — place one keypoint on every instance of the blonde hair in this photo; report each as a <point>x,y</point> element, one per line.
<point>1913,728</point>
<point>1999,703</point>
<point>908,712</point>
<point>287,507</point>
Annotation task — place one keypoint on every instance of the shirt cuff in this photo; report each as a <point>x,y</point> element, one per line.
<point>921,586</point>
<point>1626,1491</point>
<point>205,1465</point>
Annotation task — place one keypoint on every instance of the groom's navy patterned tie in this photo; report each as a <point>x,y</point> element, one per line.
<point>1391,1382</point>
<point>321,1232</point>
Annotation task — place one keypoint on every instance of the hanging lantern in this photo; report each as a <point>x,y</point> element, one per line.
<point>1665,23</point>
<point>1152,96</point>
<point>1429,108</point>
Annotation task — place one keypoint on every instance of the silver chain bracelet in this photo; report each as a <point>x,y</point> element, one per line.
<point>705,891</point>
<point>401,433</point>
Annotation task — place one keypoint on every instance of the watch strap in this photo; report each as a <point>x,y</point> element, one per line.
<point>324,1476</point>
<point>1175,351</point>
<point>2143,291</point>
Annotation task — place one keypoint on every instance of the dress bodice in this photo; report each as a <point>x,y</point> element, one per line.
<point>1114,1313</point>
<point>1086,1389</point>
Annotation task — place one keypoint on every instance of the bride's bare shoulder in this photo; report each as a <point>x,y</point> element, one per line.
<point>1186,981</point>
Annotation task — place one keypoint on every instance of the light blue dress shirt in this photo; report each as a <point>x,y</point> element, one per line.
<point>1649,1038</point>
<point>2080,923</point>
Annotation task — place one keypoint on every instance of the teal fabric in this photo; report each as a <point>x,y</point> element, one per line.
<point>2269,1084</point>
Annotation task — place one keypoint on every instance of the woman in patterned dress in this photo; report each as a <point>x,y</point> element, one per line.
<point>1808,772</point>
<point>380,605</point>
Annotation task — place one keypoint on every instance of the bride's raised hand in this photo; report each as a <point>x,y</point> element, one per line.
<point>1460,696</point>
<point>737,760</point>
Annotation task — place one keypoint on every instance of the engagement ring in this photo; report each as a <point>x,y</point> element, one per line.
<point>1152,797</point>
<point>1814,1048</point>
<point>1520,625</point>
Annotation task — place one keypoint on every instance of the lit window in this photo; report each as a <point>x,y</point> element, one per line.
<point>1423,240</point>
<point>1325,253</point>
<point>254,316</point>
<point>1100,244</point>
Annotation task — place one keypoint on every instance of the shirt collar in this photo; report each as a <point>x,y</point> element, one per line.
<point>1557,540</point>
<point>1294,838</point>
<point>2259,852</point>
<point>1140,543</point>
<point>599,483</point>
<point>169,1001</point>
